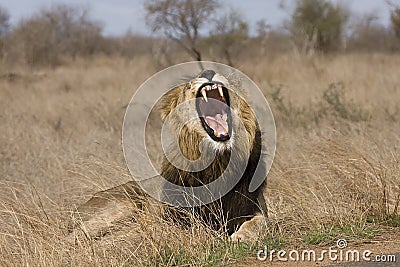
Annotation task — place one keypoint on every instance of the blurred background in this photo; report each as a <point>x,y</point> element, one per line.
<point>50,32</point>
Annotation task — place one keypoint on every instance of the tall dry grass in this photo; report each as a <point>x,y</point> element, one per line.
<point>336,171</point>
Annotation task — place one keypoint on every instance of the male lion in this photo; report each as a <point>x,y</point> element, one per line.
<point>225,127</point>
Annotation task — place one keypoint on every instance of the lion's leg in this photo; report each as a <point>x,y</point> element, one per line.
<point>109,209</point>
<point>250,230</point>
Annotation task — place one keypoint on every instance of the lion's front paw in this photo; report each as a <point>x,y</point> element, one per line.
<point>249,231</point>
<point>238,237</point>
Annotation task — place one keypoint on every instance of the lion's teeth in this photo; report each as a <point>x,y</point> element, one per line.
<point>216,133</point>
<point>203,92</point>
<point>208,87</point>
<point>214,86</point>
<point>221,93</point>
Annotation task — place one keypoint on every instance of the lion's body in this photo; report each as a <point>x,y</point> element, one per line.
<point>242,149</point>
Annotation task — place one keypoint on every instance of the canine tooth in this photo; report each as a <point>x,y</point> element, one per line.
<point>216,133</point>
<point>221,93</point>
<point>203,92</point>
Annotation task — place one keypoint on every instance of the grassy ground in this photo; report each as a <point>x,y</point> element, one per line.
<point>336,172</point>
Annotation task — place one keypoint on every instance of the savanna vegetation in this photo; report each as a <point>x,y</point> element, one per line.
<point>64,87</point>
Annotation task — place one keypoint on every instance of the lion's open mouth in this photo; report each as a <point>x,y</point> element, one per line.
<point>214,112</point>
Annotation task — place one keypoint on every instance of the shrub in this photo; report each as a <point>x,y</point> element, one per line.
<point>54,33</point>
<point>319,24</point>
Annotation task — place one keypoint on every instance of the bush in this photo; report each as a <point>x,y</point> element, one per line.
<point>4,22</point>
<point>395,20</point>
<point>54,33</point>
<point>333,109</point>
<point>318,24</point>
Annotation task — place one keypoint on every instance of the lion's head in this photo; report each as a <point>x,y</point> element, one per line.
<point>212,110</point>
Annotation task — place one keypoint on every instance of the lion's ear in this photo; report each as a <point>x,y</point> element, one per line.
<point>170,100</point>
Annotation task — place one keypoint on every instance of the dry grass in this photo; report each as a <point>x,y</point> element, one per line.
<point>336,171</point>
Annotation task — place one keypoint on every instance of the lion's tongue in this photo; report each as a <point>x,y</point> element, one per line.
<point>218,123</point>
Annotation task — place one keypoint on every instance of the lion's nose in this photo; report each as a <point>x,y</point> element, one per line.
<point>208,74</point>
